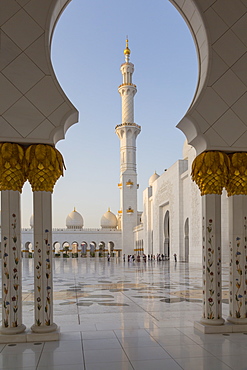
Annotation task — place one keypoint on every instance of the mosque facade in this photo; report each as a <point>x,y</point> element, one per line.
<point>170,222</point>
<point>172,214</point>
<point>74,240</point>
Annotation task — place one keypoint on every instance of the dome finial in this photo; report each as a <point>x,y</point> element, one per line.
<point>127,50</point>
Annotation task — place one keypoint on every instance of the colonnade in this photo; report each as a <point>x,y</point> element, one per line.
<point>84,249</point>
<point>41,165</point>
<point>213,171</point>
<point>88,249</point>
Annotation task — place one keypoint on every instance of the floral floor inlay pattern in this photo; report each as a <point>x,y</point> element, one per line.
<point>79,288</point>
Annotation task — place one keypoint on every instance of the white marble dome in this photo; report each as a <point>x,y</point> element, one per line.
<point>74,220</point>
<point>31,222</point>
<point>154,177</point>
<point>109,220</point>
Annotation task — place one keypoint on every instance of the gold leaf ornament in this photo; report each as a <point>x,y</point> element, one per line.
<point>44,166</point>
<point>237,184</point>
<point>210,172</point>
<point>12,171</point>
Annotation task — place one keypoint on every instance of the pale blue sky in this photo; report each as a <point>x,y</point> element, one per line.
<point>87,51</point>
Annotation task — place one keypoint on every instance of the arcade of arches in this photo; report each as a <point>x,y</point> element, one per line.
<point>76,249</point>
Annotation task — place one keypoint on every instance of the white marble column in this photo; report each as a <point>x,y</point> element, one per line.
<point>186,248</point>
<point>43,282</point>
<point>11,263</point>
<point>96,252</point>
<point>238,242</point>
<point>211,236</point>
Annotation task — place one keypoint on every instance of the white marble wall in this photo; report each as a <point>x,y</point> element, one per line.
<point>175,192</point>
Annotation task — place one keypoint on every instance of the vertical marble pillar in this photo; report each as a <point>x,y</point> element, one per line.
<point>186,248</point>
<point>43,282</point>
<point>238,268</point>
<point>11,263</point>
<point>211,236</point>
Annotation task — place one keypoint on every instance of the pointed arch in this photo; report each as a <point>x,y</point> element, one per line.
<point>167,234</point>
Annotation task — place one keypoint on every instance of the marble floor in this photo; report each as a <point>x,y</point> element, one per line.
<point>115,315</point>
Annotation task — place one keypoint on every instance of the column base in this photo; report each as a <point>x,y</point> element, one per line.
<point>215,322</point>
<point>43,328</point>
<point>9,338</point>
<point>12,331</point>
<point>236,321</point>
<point>29,336</point>
<point>43,337</point>
<point>220,329</point>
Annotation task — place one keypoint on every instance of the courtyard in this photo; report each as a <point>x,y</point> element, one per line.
<point>118,315</point>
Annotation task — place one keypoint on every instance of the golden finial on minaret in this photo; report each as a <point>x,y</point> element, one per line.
<point>127,50</point>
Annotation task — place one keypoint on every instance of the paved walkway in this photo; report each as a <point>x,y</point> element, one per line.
<point>115,315</point>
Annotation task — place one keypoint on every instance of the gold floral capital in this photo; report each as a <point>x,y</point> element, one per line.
<point>210,172</point>
<point>237,183</point>
<point>12,173</point>
<point>44,166</point>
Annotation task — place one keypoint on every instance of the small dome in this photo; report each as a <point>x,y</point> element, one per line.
<point>109,220</point>
<point>127,51</point>
<point>31,222</point>
<point>153,178</point>
<point>74,220</point>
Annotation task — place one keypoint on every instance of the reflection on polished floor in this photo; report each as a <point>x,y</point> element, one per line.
<point>118,315</point>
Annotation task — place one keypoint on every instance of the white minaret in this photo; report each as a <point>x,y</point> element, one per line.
<point>127,132</point>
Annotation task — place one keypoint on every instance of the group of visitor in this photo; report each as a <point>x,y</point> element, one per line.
<point>160,257</point>
<point>144,257</point>
<point>151,257</point>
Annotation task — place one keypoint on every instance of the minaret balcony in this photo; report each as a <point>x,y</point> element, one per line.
<point>129,211</point>
<point>128,124</point>
<point>120,211</point>
<point>119,185</point>
<point>127,84</point>
<point>129,183</point>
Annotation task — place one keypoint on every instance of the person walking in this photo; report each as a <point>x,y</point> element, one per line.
<point>175,257</point>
